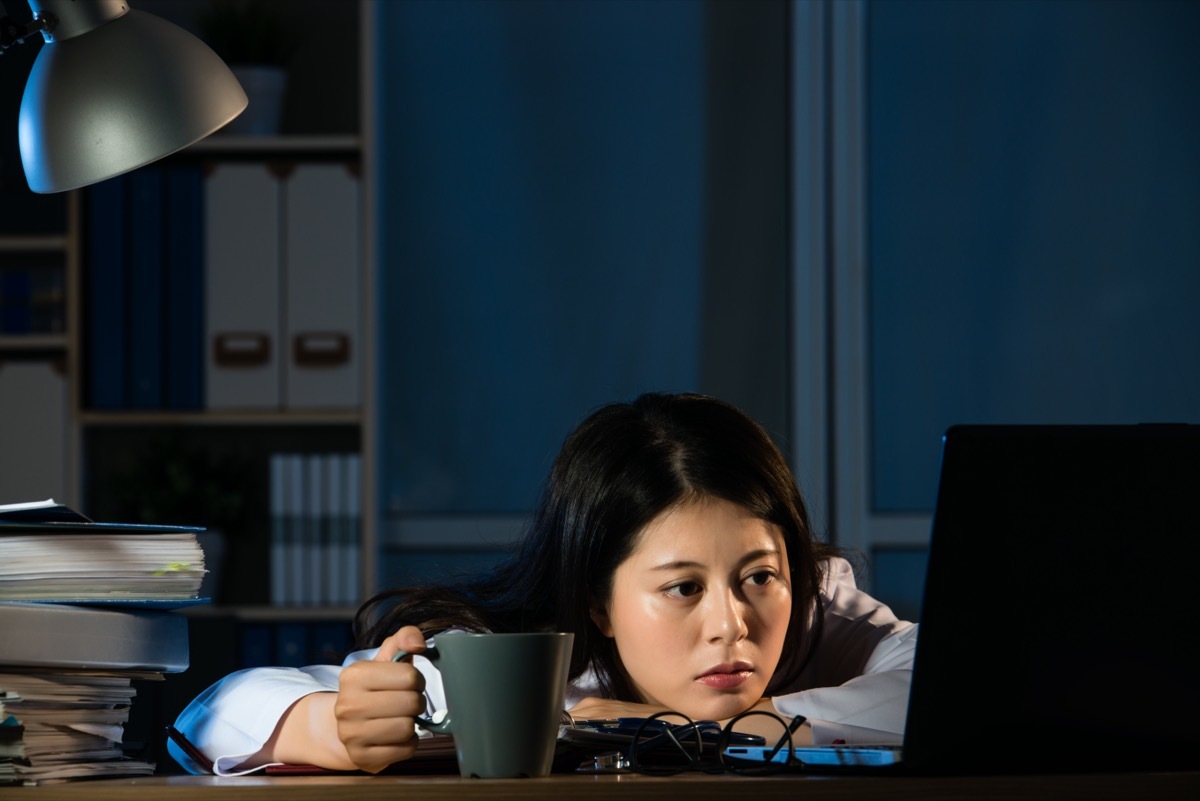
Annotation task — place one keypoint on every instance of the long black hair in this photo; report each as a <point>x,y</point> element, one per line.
<point>620,468</point>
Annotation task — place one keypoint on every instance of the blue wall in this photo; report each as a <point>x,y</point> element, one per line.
<point>1034,221</point>
<point>558,230</point>
<point>540,211</point>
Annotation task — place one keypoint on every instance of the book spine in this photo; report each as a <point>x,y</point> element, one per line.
<point>292,644</point>
<point>351,561</point>
<point>16,301</point>
<point>322,293</point>
<point>33,460</point>
<point>106,326</point>
<point>279,522</point>
<point>184,319</point>
<point>146,290</point>
<point>330,642</point>
<point>49,300</point>
<point>334,514</point>
<point>257,645</point>
<point>243,274</point>
<point>315,591</point>
<point>92,639</point>
<point>296,534</point>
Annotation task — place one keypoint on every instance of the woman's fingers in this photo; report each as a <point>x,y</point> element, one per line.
<point>372,676</point>
<point>395,690</point>
<point>373,742</point>
<point>377,703</point>
<point>408,639</point>
<point>374,758</point>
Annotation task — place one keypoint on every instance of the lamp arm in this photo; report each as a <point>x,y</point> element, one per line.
<point>14,33</point>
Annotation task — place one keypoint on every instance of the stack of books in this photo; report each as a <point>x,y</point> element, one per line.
<point>86,610</point>
<point>315,521</point>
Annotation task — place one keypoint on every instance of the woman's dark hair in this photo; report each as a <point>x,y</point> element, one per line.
<point>621,467</point>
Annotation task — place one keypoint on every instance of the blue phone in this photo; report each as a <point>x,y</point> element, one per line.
<point>845,756</point>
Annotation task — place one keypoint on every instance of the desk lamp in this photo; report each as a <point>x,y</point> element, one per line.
<point>113,89</point>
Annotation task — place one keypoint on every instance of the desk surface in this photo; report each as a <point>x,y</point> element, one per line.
<point>1098,787</point>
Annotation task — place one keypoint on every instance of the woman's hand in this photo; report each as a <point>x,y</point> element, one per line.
<point>377,701</point>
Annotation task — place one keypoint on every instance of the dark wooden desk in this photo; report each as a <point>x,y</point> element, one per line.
<point>1099,787</point>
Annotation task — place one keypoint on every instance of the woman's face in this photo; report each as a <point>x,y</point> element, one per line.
<point>700,609</point>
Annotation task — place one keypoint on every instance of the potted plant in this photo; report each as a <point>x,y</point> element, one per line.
<point>252,38</point>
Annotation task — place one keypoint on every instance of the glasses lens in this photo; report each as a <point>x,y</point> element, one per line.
<point>663,745</point>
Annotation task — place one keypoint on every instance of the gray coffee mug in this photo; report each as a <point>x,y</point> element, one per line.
<point>504,699</point>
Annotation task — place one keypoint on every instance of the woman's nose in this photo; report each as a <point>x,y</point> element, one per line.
<point>726,619</point>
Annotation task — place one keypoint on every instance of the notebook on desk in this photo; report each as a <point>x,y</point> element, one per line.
<point>1060,606</point>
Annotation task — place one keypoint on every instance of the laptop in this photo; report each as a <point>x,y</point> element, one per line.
<point>1061,606</point>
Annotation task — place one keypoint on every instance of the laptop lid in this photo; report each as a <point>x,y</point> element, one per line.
<point>1061,602</point>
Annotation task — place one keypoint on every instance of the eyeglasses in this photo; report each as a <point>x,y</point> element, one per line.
<point>656,746</point>
<point>660,745</point>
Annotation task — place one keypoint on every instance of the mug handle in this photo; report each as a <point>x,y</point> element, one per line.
<point>442,726</point>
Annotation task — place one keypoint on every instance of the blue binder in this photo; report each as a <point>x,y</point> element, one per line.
<point>106,329</point>
<point>145,377</point>
<point>184,319</point>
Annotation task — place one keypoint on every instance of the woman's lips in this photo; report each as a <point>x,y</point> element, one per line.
<point>725,677</point>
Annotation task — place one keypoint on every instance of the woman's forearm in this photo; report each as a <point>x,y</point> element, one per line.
<point>307,734</point>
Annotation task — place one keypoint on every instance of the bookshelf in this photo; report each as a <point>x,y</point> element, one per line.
<point>99,445</point>
<point>244,628</point>
<point>91,451</point>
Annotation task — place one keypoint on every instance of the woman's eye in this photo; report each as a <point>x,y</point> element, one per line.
<point>684,589</point>
<point>761,578</point>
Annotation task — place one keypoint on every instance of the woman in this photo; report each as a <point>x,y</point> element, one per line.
<point>671,538</point>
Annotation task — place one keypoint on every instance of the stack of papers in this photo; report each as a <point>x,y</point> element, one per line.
<point>48,552</point>
<point>70,650</point>
<point>71,724</point>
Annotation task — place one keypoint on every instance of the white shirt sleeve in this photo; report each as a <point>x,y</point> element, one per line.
<point>232,720</point>
<point>856,686</point>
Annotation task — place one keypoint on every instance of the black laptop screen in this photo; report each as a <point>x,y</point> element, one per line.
<point>1061,602</point>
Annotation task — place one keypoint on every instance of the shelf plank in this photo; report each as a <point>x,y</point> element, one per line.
<point>40,244</point>
<point>221,418</point>
<point>225,144</point>
<point>21,343</point>
<point>267,613</point>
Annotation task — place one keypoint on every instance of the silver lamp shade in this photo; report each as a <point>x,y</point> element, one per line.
<point>114,89</point>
